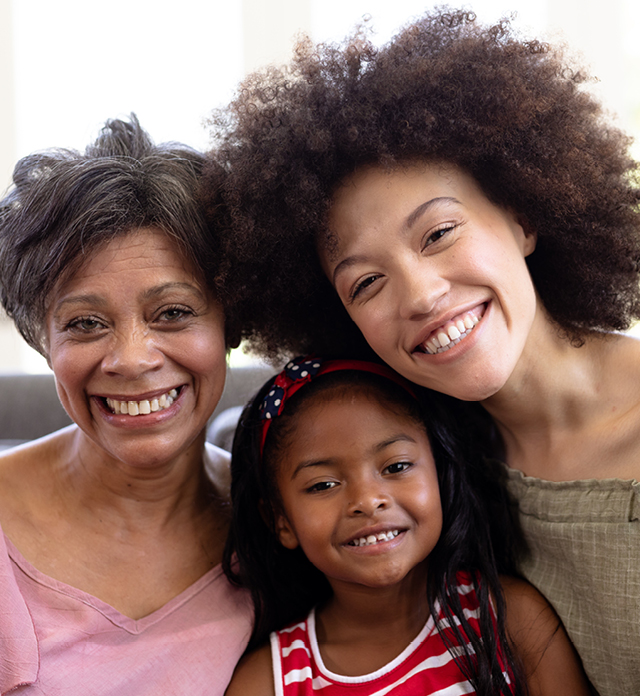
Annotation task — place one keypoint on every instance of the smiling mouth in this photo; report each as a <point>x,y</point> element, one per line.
<point>374,538</point>
<point>144,407</point>
<point>452,332</point>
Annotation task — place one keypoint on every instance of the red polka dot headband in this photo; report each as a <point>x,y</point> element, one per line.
<point>301,371</point>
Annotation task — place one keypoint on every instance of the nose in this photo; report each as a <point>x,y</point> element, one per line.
<point>420,287</point>
<point>132,353</point>
<point>367,497</point>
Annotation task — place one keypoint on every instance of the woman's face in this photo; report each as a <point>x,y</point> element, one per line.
<point>434,275</point>
<point>136,343</point>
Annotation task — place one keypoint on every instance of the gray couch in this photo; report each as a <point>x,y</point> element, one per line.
<point>29,405</point>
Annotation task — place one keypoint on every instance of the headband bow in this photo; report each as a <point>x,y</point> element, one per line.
<point>301,371</point>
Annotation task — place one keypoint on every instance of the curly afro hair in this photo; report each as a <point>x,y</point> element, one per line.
<point>508,111</point>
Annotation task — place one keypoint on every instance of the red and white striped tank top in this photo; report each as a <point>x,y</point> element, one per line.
<point>424,667</point>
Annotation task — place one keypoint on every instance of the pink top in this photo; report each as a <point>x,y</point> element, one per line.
<point>60,641</point>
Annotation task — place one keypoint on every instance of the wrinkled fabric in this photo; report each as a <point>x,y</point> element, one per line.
<point>583,554</point>
<point>19,658</point>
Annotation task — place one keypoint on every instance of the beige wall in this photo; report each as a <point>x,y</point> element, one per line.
<point>269,29</point>
<point>11,345</point>
<point>594,37</point>
<point>7,111</point>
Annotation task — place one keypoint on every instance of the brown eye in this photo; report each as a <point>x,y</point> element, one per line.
<point>85,324</point>
<point>398,467</point>
<point>362,285</point>
<point>436,235</point>
<point>321,486</point>
<point>174,314</point>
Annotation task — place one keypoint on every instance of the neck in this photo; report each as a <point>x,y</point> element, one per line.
<point>99,485</point>
<point>378,612</point>
<point>558,393</point>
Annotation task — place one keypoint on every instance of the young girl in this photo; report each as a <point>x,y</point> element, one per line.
<point>364,543</point>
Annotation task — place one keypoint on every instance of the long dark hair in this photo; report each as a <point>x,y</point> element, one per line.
<point>285,585</point>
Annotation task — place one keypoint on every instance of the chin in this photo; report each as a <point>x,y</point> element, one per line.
<point>474,390</point>
<point>150,455</point>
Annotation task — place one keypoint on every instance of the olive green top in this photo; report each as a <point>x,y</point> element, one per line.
<point>583,554</point>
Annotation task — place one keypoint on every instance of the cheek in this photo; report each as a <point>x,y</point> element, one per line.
<point>72,371</point>
<point>201,352</point>
<point>429,501</point>
<point>375,321</point>
<point>72,364</point>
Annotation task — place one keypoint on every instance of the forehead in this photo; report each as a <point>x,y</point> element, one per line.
<point>146,250</point>
<point>366,401</point>
<point>374,197</point>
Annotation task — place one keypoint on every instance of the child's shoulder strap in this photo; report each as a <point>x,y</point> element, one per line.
<point>291,659</point>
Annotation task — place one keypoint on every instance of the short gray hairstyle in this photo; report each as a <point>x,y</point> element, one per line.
<point>64,205</point>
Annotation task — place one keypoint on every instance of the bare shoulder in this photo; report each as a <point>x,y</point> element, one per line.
<point>541,642</point>
<point>254,675</point>
<point>25,472</point>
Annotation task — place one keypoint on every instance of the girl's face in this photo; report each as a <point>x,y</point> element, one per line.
<point>359,490</point>
<point>136,343</point>
<point>434,275</point>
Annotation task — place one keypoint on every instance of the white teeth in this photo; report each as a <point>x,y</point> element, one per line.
<point>453,333</point>
<point>375,538</point>
<point>443,339</point>
<point>144,407</point>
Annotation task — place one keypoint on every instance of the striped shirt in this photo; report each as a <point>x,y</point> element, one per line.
<point>424,667</point>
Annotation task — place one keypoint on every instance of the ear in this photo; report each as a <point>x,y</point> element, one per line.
<point>45,352</point>
<point>530,237</point>
<point>232,334</point>
<point>286,535</point>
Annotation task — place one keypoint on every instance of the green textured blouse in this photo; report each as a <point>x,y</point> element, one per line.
<point>583,554</point>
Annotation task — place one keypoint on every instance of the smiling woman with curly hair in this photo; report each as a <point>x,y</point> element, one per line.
<point>457,201</point>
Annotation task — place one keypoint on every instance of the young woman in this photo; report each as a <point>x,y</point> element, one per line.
<point>457,200</point>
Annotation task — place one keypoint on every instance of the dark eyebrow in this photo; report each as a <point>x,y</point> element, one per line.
<point>80,299</point>
<point>306,464</point>
<point>347,263</point>
<point>421,209</point>
<point>400,437</point>
<point>408,224</point>
<point>152,293</point>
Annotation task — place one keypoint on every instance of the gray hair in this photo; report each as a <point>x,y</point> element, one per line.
<point>64,205</point>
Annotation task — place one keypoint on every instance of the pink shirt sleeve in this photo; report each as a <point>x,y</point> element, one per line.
<point>19,658</point>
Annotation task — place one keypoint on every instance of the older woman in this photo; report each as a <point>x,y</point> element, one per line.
<point>459,198</point>
<point>110,577</point>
